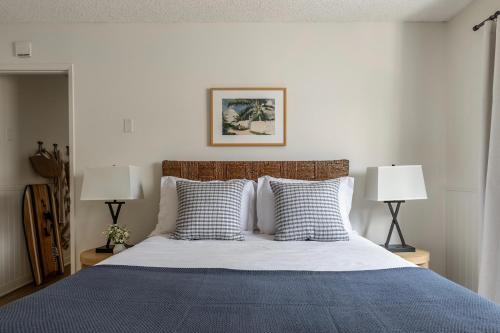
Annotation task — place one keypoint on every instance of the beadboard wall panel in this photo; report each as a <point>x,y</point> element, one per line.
<point>14,263</point>
<point>462,236</point>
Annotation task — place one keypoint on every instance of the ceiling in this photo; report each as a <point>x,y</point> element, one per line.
<point>228,10</point>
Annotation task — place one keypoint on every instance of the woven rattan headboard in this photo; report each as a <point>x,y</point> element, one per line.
<point>224,170</point>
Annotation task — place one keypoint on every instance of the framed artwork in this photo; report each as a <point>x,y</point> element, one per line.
<point>248,117</point>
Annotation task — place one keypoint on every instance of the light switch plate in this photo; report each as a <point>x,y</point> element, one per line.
<point>128,125</point>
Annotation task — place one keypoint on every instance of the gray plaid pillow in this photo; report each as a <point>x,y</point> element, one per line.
<point>308,211</point>
<point>209,210</point>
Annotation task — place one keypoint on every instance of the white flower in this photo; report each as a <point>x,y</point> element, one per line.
<point>117,234</point>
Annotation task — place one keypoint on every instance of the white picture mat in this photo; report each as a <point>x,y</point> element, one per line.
<point>277,95</point>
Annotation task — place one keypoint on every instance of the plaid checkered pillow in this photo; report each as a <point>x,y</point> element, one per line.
<point>308,211</point>
<point>209,210</point>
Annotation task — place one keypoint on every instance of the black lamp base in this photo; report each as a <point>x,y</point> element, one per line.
<point>105,249</point>
<point>109,248</point>
<point>403,247</point>
<point>399,248</point>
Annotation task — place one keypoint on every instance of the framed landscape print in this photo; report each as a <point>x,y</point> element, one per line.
<point>248,116</point>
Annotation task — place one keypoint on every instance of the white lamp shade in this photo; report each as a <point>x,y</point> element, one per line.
<point>394,183</point>
<point>112,183</point>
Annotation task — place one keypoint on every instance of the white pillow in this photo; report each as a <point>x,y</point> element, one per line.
<point>167,214</point>
<point>265,202</point>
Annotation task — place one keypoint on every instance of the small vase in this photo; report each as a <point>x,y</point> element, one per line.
<point>118,248</point>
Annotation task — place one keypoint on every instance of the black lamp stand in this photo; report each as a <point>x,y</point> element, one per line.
<point>114,215</point>
<point>403,247</point>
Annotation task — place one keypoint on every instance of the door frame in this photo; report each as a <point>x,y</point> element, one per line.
<point>67,69</point>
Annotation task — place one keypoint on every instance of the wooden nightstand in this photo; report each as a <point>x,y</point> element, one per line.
<point>90,257</point>
<point>419,257</point>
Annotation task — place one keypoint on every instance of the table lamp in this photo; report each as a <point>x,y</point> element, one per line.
<point>112,185</point>
<point>394,185</point>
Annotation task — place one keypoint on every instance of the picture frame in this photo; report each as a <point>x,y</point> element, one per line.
<point>248,117</point>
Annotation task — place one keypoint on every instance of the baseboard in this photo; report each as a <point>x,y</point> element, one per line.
<point>16,284</point>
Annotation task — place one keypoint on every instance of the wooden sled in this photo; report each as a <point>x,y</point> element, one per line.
<point>42,232</point>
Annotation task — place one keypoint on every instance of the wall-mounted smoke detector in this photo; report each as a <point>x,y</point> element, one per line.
<point>22,49</point>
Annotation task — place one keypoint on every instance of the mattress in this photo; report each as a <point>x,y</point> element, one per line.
<point>260,252</point>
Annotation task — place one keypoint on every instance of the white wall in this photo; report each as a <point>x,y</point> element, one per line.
<point>466,139</point>
<point>369,92</point>
<point>32,108</point>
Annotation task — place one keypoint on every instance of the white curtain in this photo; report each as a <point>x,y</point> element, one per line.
<point>489,267</point>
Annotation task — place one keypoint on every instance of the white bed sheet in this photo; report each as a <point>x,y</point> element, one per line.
<point>259,252</point>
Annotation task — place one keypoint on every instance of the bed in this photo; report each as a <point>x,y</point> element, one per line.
<point>256,285</point>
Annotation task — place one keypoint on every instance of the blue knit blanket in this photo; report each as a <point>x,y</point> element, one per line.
<point>139,299</point>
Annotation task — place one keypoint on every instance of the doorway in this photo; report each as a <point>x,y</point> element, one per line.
<point>36,104</point>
